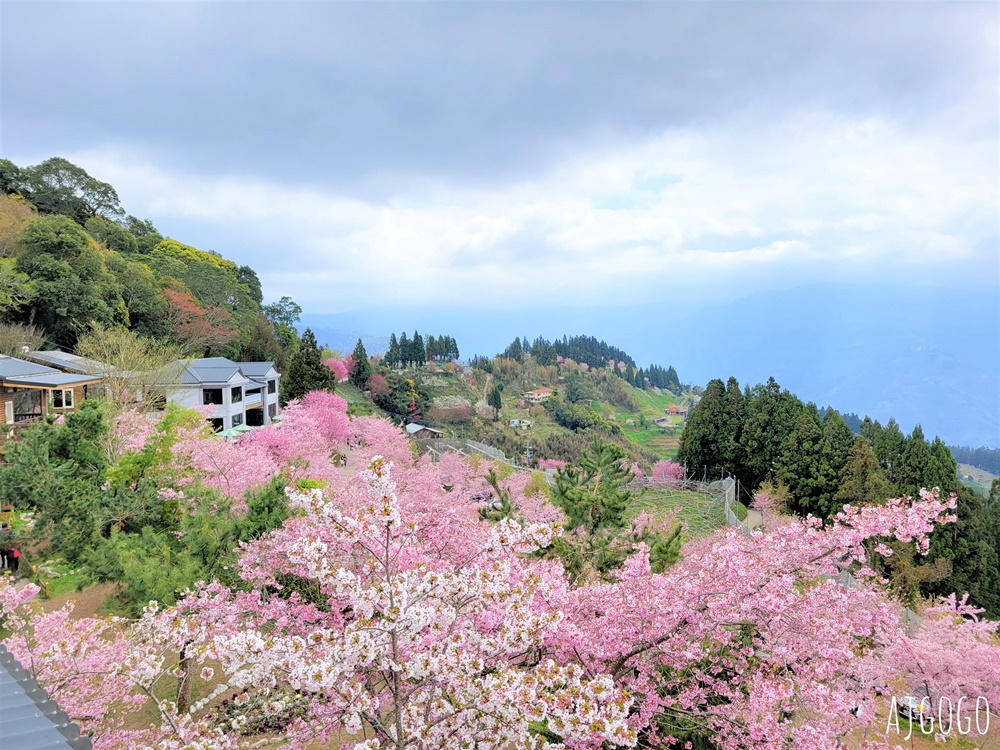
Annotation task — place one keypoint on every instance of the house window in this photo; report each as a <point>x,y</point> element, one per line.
<point>236,394</point>
<point>237,419</point>
<point>210,396</point>
<point>217,424</point>
<point>272,410</point>
<point>27,404</point>
<point>62,398</point>
<point>271,387</point>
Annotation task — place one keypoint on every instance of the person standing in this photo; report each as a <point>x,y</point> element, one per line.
<point>7,547</point>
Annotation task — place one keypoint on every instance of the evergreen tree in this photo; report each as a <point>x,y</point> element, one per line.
<point>594,493</point>
<point>771,415</point>
<point>543,352</point>
<point>703,439</point>
<point>673,382</point>
<point>494,399</point>
<point>362,367</point>
<point>887,443</point>
<point>515,351</point>
<point>392,354</point>
<point>916,463</point>
<point>431,348</point>
<point>732,429</point>
<point>972,546</point>
<point>943,471</point>
<point>862,481</point>
<point>405,350</point>
<point>800,466</point>
<point>419,353</point>
<point>306,371</point>
<point>834,450</point>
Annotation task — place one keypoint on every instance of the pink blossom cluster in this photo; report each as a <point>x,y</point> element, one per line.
<point>666,471</point>
<point>338,368</point>
<point>401,618</point>
<point>551,463</point>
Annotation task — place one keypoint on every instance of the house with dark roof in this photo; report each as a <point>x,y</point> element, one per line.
<point>30,391</point>
<point>66,362</point>
<point>242,393</point>
<point>423,432</point>
<point>29,718</point>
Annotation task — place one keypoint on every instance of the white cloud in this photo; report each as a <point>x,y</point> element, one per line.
<point>778,202</point>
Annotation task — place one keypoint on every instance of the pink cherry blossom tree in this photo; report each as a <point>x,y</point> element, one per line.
<point>339,369</point>
<point>666,471</point>
<point>387,612</point>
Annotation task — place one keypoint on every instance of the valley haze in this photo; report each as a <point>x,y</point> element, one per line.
<point>803,190</point>
<point>922,356</point>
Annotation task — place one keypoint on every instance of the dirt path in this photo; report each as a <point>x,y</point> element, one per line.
<point>87,602</point>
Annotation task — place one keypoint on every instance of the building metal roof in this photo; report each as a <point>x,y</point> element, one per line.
<point>414,428</point>
<point>210,370</point>
<point>257,369</point>
<point>29,718</point>
<point>54,380</point>
<point>12,367</point>
<point>20,372</point>
<point>221,370</point>
<point>67,362</point>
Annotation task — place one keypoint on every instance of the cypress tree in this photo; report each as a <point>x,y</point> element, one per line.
<point>362,367</point>
<point>419,355</point>
<point>834,450</point>
<point>494,399</point>
<point>771,415</point>
<point>862,481</point>
<point>799,467</point>
<point>306,371</point>
<point>701,441</point>
<point>392,355</point>
<point>405,350</point>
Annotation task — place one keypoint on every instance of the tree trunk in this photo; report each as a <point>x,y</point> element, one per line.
<point>184,684</point>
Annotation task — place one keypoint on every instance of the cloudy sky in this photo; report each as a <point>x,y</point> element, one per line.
<point>542,154</point>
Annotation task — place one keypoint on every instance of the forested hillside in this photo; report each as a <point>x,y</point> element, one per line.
<point>987,459</point>
<point>813,465</point>
<point>71,258</point>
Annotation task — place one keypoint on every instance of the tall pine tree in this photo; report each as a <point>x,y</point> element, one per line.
<point>419,353</point>
<point>392,354</point>
<point>362,367</point>
<point>862,481</point>
<point>306,371</point>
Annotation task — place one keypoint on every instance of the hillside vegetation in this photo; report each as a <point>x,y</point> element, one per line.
<point>71,259</point>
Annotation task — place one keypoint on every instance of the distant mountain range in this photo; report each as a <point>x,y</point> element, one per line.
<point>925,357</point>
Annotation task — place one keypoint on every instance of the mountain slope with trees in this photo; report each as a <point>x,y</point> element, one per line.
<point>815,465</point>
<point>72,258</point>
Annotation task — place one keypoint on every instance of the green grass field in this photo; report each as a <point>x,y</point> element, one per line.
<point>699,512</point>
<point>658,440</point>
<point>982,481</point>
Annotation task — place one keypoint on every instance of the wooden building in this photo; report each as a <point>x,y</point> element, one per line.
<point>31,391</point>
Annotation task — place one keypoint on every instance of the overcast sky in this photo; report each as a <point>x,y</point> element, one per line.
<point>530,153</point>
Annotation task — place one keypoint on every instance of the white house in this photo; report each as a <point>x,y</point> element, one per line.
<point>539,396</point>
<point>241,392</point>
